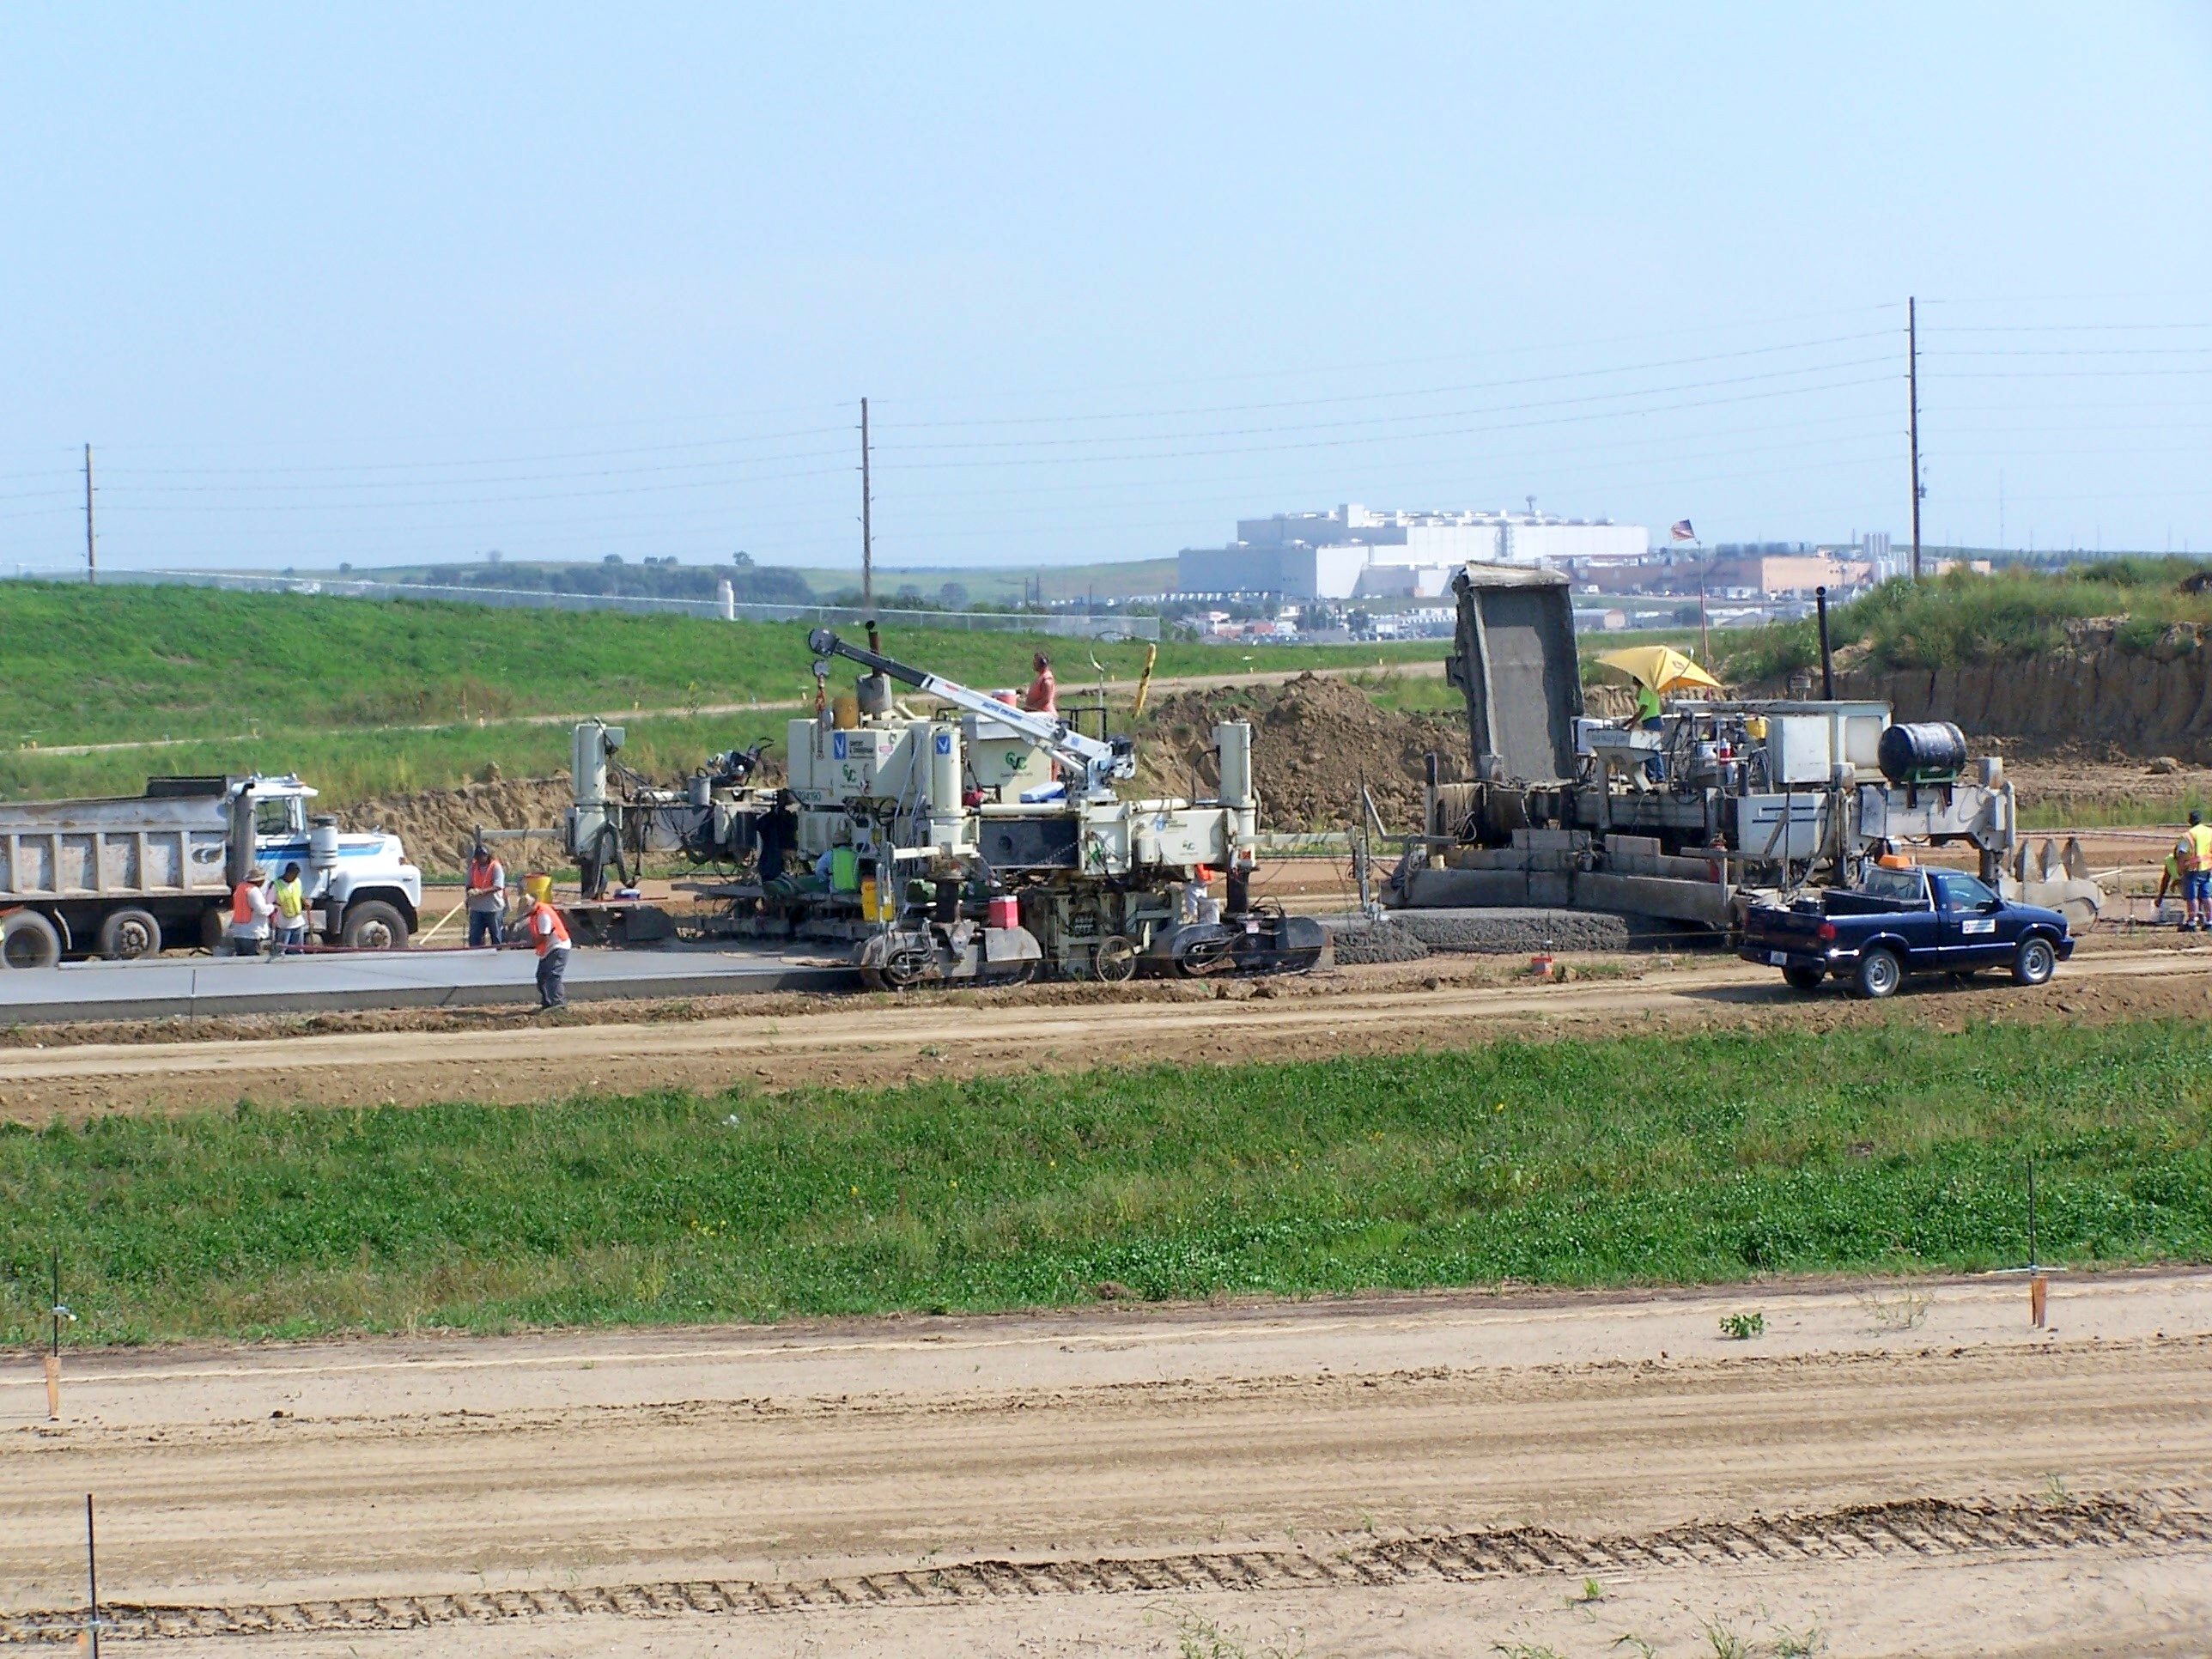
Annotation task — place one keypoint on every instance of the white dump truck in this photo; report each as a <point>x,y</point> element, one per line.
<point>126,877</point>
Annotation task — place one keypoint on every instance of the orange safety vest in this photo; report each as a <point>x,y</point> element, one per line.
<point>544,941</point>
<point>241,905</point>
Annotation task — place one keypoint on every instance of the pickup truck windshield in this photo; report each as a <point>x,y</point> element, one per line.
<point>1965,893</point>
<point>1906,886</point>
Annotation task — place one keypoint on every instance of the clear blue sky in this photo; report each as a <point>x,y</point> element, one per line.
<point>412,283</point>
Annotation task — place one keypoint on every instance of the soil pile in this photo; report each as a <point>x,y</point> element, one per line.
<point>1314,742</point>
<point>437,825</point>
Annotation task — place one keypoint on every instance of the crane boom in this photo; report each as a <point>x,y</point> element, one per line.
<point>1099,763</point>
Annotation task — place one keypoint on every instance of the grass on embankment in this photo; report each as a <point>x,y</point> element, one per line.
<point>82,665</point>
<point>1958,618</point>
<point>1636,1160</point>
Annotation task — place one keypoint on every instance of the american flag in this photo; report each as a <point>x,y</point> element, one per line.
<point>1682,533</point>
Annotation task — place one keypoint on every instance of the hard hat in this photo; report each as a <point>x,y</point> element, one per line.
<point>540,887</point>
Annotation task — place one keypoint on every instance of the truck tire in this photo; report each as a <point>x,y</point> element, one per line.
<point>27,940</point>
<point>2035,962</point>
<point>1803,979</point>
<point>372,924</point>
<point>1878,976</point>
<point>129,935</point>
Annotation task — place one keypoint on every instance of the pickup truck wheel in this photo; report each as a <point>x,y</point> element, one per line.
<point>127,935</point>
<point>1880,975</point>
<point>372,924</point>
<point>1803,979</point>
<point>2034,962</point>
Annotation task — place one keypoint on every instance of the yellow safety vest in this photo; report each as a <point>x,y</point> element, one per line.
<point>2194,849</point>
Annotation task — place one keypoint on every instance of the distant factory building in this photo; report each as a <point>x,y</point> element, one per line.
<point>1361,553</point>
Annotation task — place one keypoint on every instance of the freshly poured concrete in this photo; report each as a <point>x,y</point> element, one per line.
<point>179,985</point>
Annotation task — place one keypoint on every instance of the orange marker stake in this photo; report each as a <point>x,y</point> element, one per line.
<point>2038,1294</point>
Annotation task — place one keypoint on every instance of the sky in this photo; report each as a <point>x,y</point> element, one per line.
<point>410,283</point>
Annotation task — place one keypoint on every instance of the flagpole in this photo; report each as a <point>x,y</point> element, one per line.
<point>1705,636</point>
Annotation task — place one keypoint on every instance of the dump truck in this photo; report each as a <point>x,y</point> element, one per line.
<point>128,875</point>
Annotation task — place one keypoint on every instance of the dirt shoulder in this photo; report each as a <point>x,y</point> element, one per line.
<point>790,1041</point>
<point>1411,1474</point>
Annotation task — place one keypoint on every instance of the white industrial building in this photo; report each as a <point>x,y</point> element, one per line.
<point>1360,553</point>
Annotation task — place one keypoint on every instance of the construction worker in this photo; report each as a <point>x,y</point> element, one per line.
<point>1647,710</point>
<point>2169,880</point>
<point>2194,852</point>
<point>291,914</point>
<point>1648,706</point>
<point>250,910</point>
<point>486,898</point>
<point>542,927</point>
<point>1043,696</point>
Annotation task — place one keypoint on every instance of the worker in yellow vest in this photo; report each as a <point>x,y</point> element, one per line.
<point>542,927</point>
<point>291,914</point>
<point>2194,852</point>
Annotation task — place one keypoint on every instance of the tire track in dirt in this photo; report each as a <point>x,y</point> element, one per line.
<point>1919,1527</point>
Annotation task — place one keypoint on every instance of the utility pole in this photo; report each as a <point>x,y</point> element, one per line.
<point>1912,384</point>
<point>91,541</point>
<point>867,524</point>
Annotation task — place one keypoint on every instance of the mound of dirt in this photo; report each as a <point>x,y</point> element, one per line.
<point>437,825</point>
<point>1314,742</point>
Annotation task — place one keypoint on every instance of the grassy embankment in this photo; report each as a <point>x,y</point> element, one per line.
<point>336,688</point>
<point>1958,618</point>
<point>1631,1161</point>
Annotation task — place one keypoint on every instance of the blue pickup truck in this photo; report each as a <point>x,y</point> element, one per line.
<point>1900,922</point>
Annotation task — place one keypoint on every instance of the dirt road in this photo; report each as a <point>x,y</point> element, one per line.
<point>1400,1475</point>
<point>783,1042</point>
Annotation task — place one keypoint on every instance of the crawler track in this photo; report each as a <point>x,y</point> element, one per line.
<point>1920,1527</point>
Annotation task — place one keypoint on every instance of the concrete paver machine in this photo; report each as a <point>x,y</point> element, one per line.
<point>976,840</point>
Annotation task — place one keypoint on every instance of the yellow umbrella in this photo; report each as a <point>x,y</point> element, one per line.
<point>1661,667</point>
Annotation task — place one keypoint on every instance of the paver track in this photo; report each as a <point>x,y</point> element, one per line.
<point>1914,1527</point>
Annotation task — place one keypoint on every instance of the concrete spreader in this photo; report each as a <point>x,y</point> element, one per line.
<point>169,986</point>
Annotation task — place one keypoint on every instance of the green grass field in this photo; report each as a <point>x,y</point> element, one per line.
<point>331,686</point>
<point>1639,1160</point>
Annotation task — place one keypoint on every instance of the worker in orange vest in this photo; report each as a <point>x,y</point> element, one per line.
<point>542,927</point>
<point>250,910</point>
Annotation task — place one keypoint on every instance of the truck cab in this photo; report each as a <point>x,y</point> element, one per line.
<point>1900,919</point>
<point>361,890</point>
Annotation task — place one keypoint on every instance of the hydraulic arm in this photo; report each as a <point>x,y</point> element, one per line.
<point>1098,762</point>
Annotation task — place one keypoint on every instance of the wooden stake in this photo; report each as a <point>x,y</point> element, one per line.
<point>92,1575</point>
<point>2038,1294</point>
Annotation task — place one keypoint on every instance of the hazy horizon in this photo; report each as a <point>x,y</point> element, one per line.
<point>405,289</point>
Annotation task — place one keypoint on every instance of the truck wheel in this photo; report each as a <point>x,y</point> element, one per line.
<point>1880,974</point>
<point>2034,962</point>
<point>372,924</point>
<point>127,935</point>
<point>1803,979</point>
<point>27,940</point>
